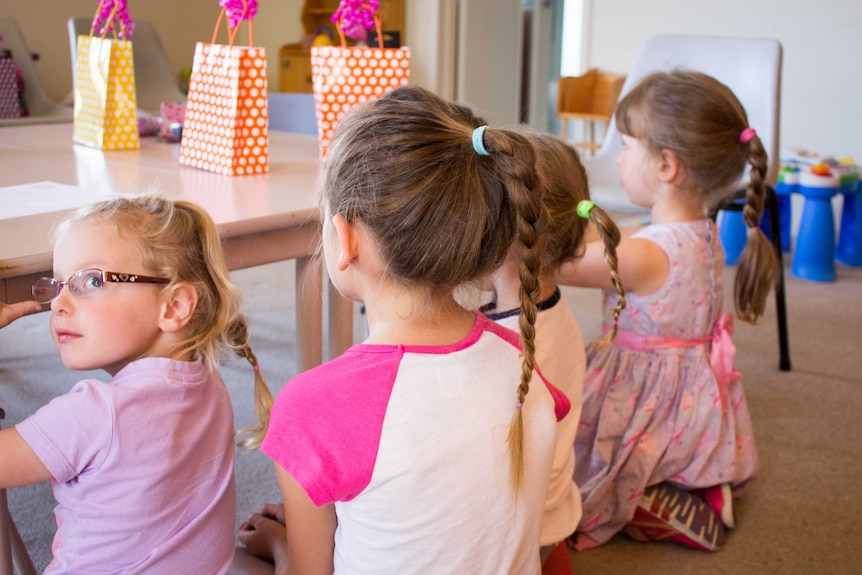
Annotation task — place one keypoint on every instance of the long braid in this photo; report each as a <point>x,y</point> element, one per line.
<point>237,339</point>
<point>757,271</point>
<point>610,234</point>
<point>516,161</point>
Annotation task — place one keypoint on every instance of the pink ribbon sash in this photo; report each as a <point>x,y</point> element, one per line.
<point>721,352</point>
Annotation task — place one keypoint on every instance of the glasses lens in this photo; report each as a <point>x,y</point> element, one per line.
<point>45,289</point>
<point>85,282</point>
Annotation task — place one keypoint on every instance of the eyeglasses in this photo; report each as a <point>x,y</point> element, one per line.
<point>86,283</point>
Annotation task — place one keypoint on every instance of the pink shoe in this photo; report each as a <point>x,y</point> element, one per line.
<point>666,513</point>
<point>720,499</point>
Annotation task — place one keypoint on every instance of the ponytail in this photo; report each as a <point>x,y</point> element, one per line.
<point>757,271</point>
<point>610,236</point>
<point>515,159</point>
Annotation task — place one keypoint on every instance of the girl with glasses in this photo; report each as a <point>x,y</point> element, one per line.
<point>141,465</point>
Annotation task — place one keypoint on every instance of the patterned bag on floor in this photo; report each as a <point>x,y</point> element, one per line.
<point>106,105</point>
<point>344,76</point>
<point>226,119</point>
<point>10,102</point>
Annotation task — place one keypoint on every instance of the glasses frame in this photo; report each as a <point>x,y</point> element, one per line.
<point>104,276</point>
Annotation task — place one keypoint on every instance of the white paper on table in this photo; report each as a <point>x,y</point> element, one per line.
<point>45,197</point>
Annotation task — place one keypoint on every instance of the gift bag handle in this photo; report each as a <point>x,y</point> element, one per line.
<point>231,34</point>
<point>377,24</point>
<point>108,21</point>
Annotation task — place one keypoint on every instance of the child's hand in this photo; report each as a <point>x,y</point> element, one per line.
<point>11,312</point>
<point>273,511</point>
<point>265,536</point>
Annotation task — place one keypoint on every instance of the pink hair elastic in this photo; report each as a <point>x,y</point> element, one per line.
<point>747,134</point>
<point>256,367</point>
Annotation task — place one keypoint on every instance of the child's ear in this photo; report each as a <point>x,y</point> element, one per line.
<point>348,241</point>
<point>668,166</point>
<point>179,302</point>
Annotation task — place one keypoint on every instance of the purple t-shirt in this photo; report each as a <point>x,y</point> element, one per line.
<point>142,471</point>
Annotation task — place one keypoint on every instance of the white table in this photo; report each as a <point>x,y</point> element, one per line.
<point>262,219</point>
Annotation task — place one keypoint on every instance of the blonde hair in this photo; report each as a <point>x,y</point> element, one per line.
<point>700,120</point>
<point>441,214</point>
<point>179,241</point>
<point>564,186</point>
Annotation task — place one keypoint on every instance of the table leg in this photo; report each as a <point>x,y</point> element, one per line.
<point>340,322</point>
<point>309,312</point>
<point>12,550</point>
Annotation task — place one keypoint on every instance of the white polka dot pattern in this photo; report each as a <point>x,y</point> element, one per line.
<point>9,104</point>
<point>225,128</point>
<point>345,76</point>
<point>105,101</point>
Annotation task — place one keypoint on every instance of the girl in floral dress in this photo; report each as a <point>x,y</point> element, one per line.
<point>665,438</point>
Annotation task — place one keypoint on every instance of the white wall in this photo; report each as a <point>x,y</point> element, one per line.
<point>822,41</point>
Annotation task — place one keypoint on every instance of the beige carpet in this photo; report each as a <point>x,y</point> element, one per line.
<point>800,517</point>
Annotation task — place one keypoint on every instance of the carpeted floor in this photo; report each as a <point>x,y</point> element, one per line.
<point>800,517</point>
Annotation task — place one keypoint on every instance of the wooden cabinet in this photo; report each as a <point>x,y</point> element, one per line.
<point>295,59</point>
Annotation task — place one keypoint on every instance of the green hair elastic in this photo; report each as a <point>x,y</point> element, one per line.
<point>584,208</point>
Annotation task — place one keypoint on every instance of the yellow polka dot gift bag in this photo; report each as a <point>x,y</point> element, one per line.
<point>105,103</point>
<point>343,76</point>
<point>226,122</point>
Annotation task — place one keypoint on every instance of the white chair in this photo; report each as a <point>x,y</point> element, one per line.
<point>292,112</point>
<point>155,81</point>
<point>42,110</point>
<point>751,67</point>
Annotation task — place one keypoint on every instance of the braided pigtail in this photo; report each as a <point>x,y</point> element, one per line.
<point>237,339</point>
<point>610,235</point>
<point>757,271</point>
<point>515,160</point>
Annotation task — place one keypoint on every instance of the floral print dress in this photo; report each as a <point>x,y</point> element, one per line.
<point>656,413</point>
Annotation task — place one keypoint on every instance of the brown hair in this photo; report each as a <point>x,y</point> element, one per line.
<point>700,120</point>
<point>564,186</point>
<point>441,214</point>
<point>178,240</point>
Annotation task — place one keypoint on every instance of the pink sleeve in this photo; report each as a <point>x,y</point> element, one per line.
<point>325,425</point>
<point>562,405</point>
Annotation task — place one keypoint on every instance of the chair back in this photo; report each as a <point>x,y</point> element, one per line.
<point>594,93</point>
<point>751,67</point>
<point>39,106</point>
<point>155,81</point>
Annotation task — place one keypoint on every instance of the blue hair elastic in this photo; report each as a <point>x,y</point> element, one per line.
<point>478,144</point>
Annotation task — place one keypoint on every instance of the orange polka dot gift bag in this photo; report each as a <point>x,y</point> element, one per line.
<point>225,127</point>
<point>105,102</point>
<point>343,76</point>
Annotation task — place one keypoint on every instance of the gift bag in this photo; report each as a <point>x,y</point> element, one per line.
<point>225,126</point>
<point>344,76</point>
<point>10,99</point>
<point>105,102</point>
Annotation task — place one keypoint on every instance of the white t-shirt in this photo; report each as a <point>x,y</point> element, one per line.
<point>410,444</point>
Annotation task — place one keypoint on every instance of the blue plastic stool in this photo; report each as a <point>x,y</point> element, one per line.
<point>733,231</point>
<point>788,183</point>
<point>733,234</point>
<point>849,248</point>
<point>814,257</point>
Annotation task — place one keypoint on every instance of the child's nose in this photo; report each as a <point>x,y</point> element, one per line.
<point>63,302</point>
